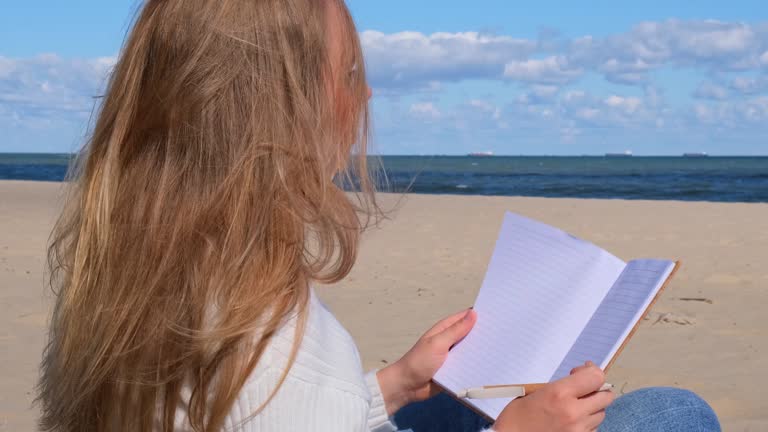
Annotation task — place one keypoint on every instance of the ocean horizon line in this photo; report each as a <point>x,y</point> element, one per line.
<point>714,178</point>
<point>532,155</point>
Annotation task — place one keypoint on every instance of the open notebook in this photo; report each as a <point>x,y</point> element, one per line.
<point>549,302</point>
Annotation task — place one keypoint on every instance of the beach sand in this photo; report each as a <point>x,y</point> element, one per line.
<point>707,333</point>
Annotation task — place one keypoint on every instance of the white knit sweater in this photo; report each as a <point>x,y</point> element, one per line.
<point>325,390</point>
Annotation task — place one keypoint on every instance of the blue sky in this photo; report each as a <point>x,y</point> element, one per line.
<point>451,77</point>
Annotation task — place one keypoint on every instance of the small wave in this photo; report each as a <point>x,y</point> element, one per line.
<point>461,186</point>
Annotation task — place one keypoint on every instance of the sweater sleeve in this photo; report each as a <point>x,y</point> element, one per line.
<point>378,420</point>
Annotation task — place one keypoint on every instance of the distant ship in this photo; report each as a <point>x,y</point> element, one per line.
<point>481,154</point>
<point>626,153</point>
<point>695,155</point>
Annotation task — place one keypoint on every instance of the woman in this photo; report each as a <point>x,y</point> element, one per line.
<point>205,205</point>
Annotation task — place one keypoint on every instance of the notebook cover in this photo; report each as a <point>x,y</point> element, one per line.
<point>645,313</point>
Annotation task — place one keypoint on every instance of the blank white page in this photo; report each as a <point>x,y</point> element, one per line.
<point>622,308</point>
<point>541,288</point>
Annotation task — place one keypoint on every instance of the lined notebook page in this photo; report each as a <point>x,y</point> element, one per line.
<point>617,314</point>
<point>541,288</point>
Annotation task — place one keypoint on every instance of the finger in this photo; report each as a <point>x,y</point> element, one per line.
<point>578,368</point>
<point>445,323</point>
<point>594,420</point>
<point>597,401</point>
<point>583,381</point>
<point>456,331</point>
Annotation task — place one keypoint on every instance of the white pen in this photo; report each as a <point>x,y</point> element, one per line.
<point>507,391</point>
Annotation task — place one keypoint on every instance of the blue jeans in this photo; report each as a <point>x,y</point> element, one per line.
<point>656,409</point>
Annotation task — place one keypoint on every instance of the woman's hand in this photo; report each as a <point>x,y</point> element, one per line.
<point>571,404</point>
<point>410,378</point>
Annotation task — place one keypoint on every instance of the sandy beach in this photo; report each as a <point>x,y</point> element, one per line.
<point>707,333</point>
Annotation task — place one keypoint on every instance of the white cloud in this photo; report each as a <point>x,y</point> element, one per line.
<point>481,104</point>
<point>586,118</point>
<point>486,107</point>
<point>703,113</point>
<point>587,113</point>
<point>425,110</point>
<point>617,66</point>
<point>569,133</point>
<point>734,56</point>
<point>712,39</point>
<point>411,59</point>
<point>539,94</point>
<point>628,105</point>
<point>653,96</point>
<point>544,91</point>
<point>682,42</point>
<point>48,86</point>
<point>709,90</point>
<point>749,85</point>
<point>625,71</point>
<point>755,110</point>
<point>549,70</point>
<point>708,45</point>
<point>749,114</point>
<point>574,95</point>
<point>6,67</point>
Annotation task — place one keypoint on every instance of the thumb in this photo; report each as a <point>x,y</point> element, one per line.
<point>456,331</point>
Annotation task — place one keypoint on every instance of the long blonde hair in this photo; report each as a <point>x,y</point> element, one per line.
<point>208,197</point>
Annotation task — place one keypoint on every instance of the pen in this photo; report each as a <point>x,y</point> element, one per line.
<point>507,391</point>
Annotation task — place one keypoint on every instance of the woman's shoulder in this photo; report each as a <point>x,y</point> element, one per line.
<point>327,356</point>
